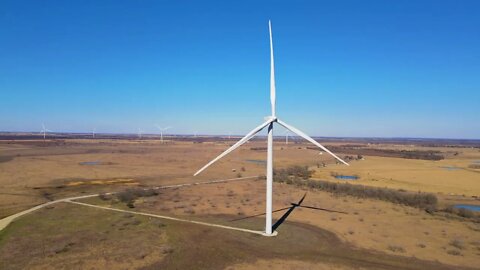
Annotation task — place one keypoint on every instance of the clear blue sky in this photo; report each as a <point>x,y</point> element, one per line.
<point>344,68</point>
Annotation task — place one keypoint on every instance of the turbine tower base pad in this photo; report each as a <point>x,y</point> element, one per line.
<point>275,233</point>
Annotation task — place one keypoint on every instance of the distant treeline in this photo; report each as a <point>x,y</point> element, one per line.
<point>299,176</point>
<point>410,154</point>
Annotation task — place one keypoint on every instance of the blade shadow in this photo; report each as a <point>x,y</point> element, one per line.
<point>284,217</point>
<point>299,204</point>
<point>257,215</point>
<point>290,210</point>
<point>323,209</point>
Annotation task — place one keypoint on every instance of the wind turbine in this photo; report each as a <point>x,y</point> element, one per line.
<point>44,131</point>
<point>286,136</point>
<point>139,133</point>
<point>270,120</point>
<point>93,133</point>
<point>161,131</point>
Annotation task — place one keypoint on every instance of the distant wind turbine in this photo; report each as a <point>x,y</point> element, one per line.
<point>44,131</point>
<point>139,133</point>
<point>270,120</point>
<point>286,136</point>
<point>93,133</point>
<point>161,131</point>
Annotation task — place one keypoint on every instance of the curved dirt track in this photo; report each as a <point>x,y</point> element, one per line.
<point>295,241</point>
<point>7,220</point>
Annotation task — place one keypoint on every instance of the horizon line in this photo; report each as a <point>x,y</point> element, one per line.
<point>241,135</point>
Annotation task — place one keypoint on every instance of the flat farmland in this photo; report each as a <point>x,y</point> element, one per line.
<point>337,232</point>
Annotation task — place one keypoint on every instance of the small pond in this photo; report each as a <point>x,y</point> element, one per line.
<point>468,206</point>
<point>90,163</point>
<point>450,168</point>
<point>347,177</point>
<point>256,161</point>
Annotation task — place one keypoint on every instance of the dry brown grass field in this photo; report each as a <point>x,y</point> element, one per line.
<point>372,234</point>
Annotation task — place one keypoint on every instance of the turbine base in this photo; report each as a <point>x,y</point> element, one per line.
<point>275,233</point>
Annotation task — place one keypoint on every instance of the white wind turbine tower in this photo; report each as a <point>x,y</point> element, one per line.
<point>270,120</point>
<point>162,130</point>
<point>93,133</point>
<point>286,136</point>
<point>139,133</point>
<point>44,131</point>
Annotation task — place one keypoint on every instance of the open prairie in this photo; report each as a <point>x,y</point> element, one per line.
<point>338,231</point>
<point>451,176</point>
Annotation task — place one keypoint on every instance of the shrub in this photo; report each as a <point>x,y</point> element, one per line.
<point>294,171</point>
<point>462,212</point>
<point>431,208</point>
<point>298,175</point>
<point>300,171</point>
<point>128,196</point>
<point>454,252</point>
<point>189,211</point>
<point>394,248</point>
<point>466,213</point>
<point>457,243</point>
<point>450,209</point>
<point>103,197</point>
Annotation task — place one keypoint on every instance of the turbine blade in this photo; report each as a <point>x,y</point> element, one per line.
<point>308,138</point>
<point>272,71</point>
<point>236,145</point>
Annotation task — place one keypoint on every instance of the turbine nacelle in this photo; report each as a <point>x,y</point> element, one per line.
<point>270,118</point>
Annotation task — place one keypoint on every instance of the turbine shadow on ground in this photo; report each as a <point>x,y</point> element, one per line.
<point>289,211</point>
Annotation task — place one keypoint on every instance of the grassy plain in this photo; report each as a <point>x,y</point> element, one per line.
<point>449,176</point>
<point>384,235</point>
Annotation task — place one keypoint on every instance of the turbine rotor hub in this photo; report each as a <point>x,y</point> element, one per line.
<point>270,118</point>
